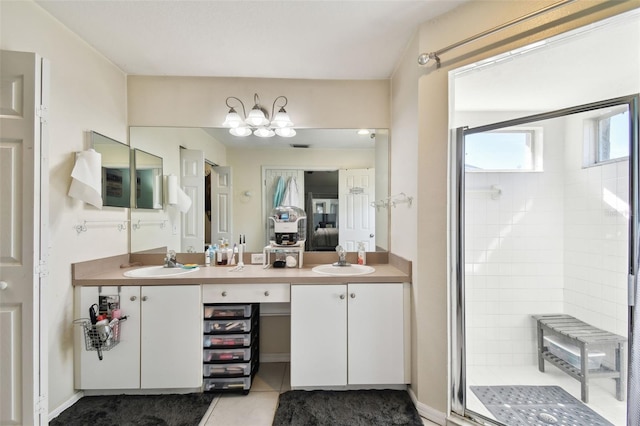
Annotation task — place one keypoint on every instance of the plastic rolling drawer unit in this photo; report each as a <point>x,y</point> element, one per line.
<point>581,350</point>
<point>230,347</point>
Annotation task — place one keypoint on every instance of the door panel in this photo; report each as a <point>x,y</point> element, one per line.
<point>356,188</point>
<point>192,183</point>
<point>221,204</point>
<point>20,149</point>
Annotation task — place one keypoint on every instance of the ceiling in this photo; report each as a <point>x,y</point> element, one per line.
<point>299,39</point>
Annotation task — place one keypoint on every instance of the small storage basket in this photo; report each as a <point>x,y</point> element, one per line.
<point>98,337</point>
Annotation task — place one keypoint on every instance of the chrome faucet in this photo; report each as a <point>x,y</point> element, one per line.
<point>342,256</point>
<point>170,260</point>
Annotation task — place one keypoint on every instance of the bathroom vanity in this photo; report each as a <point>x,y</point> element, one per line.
<point>346,331</point>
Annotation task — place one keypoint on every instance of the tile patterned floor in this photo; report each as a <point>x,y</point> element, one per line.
<point>259,406</point>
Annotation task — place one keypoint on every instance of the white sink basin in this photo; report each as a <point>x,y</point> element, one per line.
<point>343,270</point>
<point>158,272</point>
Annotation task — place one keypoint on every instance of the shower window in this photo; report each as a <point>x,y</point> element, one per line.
<point>509,150</point>
<point>607,137</point>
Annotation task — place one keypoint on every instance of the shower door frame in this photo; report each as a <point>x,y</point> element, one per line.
<point>457,236</point>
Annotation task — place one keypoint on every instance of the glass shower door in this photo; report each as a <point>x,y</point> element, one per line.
<point>543,209</point>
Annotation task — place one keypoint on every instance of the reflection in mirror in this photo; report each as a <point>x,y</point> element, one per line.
<point>315,150</point>
<point>148,172</point>
<point>116,170</point>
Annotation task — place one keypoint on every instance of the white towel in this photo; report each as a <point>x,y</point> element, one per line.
<point>184,202</point>
<point>291,197</point>
<point>86,178</point>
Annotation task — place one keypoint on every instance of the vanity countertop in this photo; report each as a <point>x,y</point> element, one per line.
<point>107,272</point>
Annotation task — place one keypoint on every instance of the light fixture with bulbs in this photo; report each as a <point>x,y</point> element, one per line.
<point>257,122</point>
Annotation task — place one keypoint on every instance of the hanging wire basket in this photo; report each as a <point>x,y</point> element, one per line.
<point>100,338</point>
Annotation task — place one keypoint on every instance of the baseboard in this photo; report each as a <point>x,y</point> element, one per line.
<point>429,413</point>
<point>277,357</point>
<point>68,403</point>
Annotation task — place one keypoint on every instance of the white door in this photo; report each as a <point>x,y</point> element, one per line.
<point>192,183</point>
<point>23,238</point>
<point>318,335</point>
<point>376,334</point>
<point>356,191</point>
<point>170,354</point>
<point>221,204</point>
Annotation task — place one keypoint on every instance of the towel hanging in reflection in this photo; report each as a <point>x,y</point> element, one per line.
<point>279,192</point>
<point>86,178</point>
<point>291,197</point>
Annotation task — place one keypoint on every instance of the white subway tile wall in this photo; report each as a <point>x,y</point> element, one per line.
<point>552,242</point>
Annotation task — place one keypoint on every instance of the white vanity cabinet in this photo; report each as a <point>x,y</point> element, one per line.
<point>160,343</point>
<point>349,334</point>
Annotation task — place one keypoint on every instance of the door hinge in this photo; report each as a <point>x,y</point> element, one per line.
<point>42,112</point>
<point>631,289</point>
<point>41,406</point>
<point>42,270</point>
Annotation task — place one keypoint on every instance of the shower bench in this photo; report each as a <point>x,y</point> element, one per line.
<point>586,338</point>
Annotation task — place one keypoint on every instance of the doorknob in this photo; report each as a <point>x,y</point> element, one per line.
<point>371,235</point>
<point>3,285</point>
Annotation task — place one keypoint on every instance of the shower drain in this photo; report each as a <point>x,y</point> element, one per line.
<point>547,418</point>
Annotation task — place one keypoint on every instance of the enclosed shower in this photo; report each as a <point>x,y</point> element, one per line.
<point>544,204</point>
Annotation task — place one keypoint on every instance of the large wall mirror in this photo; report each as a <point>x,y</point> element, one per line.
<point>116,170</point>
<point>148,185</point>
<point>312,154</point>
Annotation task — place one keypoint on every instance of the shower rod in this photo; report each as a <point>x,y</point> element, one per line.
<point>424,58</point>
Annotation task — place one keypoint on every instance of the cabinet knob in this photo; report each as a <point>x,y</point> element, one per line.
<point>133,298</point>
<point>3,285</point>
<point>144,298</point>
<point>342,296</point>
<point>266,293</point>
<point>224,294</point>
<point>353,295</point>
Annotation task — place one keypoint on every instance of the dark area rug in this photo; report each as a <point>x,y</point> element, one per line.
<point>138,410</point>
<point>346,408</point>
<point>536,406</point>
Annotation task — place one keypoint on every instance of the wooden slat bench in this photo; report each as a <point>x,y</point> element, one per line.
<point>586,337</point>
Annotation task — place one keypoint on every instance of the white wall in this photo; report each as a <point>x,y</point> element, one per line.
<point>596,236</point>
<point>87,93</point>
<point>514,255</point>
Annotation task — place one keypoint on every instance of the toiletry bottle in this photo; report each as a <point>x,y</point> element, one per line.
<point>362,254</point>
<point>207,258</point>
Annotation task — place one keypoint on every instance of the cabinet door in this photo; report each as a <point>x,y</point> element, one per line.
<point>376,334</point>
<point>318,335</point>
<point>171,329</point>
<point>120,366</point>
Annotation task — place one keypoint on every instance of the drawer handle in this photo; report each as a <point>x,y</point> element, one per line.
<point>342,297</point>
<point>266,293</point>
<point>144,298</point>
<point>224,294</point>
<point>353,295</point>
<point>133,298</point>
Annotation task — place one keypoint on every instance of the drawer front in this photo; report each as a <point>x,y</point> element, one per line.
<point>227,384</point>
<point>227,326</point>
<point>246,293</point>
<point>227,311</point>
<point>226,340</point>
<point>226,355</point>
<point>226,370</point>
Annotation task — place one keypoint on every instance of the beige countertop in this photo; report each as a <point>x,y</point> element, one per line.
<point>109,272</point>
